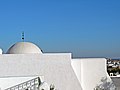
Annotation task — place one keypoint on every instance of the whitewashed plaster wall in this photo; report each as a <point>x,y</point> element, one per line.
<point>90,71</point>
<point>56,68</point>
<point>7,82</point>
<point>76,64</point>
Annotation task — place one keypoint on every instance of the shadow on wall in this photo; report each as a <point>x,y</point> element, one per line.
<point>105,85</point>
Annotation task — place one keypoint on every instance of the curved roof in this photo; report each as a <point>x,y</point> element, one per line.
<point>24,48</point>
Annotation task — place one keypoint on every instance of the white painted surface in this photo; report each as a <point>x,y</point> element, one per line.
<point>26,59</point>
<point>92,71</point>
<point>1,51</point>
<point>7,82</point>
<point>56,68</point>
<point>76,64</point>
<point>23,48</point>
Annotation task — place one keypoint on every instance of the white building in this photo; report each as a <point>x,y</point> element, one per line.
<point>25,61</point>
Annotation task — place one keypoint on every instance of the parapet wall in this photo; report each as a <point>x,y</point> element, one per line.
<point>90,71</point>
<point>56,68</point>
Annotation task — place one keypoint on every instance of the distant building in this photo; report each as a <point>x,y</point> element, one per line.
<point>113,66</point>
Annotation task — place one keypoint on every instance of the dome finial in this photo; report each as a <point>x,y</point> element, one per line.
<point>23,36</point>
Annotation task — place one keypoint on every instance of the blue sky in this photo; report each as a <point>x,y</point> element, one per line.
<point>87,28</point>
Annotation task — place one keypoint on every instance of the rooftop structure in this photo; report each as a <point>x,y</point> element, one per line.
<point>60,70</point>
<point>23,48</point>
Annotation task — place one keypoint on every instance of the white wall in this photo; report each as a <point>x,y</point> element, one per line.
<point>7,82</point>
<point>76,64</point>
<point>56,68</point>
<point>90,71</point>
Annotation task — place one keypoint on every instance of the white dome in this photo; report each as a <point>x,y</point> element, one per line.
<point>23,48</point>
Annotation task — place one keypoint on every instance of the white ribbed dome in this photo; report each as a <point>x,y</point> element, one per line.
<point>23,48</point>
